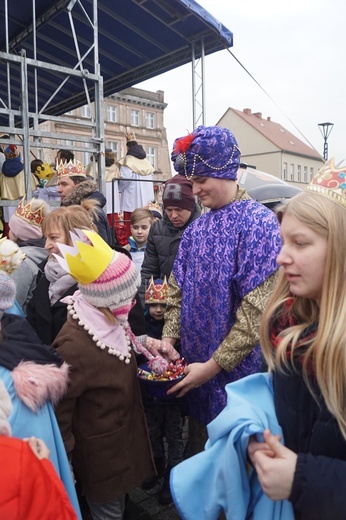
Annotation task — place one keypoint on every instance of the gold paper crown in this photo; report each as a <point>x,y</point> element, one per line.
<point>34,217</point>
<point>156,292</point>
<point>130,136</point>
<point>70,169</point>
<point>330,182</point>
<point>87,258</point>
<point>153,205</point>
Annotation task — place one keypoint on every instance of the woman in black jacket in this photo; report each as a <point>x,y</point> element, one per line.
<point>303,338</point>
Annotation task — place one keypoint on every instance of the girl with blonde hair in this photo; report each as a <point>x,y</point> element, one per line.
<point>303,338</point>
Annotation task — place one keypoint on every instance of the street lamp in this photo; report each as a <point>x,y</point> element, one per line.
<point>325,129</point>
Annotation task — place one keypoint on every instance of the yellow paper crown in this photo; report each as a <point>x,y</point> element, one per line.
<point>44,171</point>
<point>87,258</point>
<point>70,169</point>
<point>34,218</point>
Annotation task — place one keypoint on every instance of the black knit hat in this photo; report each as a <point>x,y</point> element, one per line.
<point>178,192</point>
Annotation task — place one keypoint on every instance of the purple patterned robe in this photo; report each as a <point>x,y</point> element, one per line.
<point>223,255</point>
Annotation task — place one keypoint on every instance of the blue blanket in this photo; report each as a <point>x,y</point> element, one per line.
<point>218,479</point>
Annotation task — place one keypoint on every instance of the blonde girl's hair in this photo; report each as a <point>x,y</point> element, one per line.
<point>68,218</point>
<point>326,351</point>
<point>140,214</point>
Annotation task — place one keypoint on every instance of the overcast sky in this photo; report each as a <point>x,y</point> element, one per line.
<point>296,51</point>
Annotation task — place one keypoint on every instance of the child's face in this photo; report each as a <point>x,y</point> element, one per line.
<point>140,231</point>
<point>157,310</point>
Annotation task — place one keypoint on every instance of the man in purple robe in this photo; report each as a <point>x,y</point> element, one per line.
<point>222,276</point>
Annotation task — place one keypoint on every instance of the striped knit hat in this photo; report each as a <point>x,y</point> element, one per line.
<point>115,288</point>
<point>105,277</point>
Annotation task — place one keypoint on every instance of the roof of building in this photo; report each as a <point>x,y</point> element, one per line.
<point>137,40</point>
<point>277,134</point>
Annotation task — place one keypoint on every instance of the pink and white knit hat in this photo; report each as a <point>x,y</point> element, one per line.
<point>115,287</point>
<point>105,277</point>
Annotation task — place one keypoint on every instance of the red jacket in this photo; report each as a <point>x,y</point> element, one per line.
<point>30,489</point>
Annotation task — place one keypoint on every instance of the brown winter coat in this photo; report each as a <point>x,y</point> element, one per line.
<point>101,418</point>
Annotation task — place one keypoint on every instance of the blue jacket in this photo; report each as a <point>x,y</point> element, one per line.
<point>217,479</point>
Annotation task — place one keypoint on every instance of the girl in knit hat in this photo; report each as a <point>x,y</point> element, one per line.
<point>101,417</point>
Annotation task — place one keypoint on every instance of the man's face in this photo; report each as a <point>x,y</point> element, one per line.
<point>178,216</point>
<point>65,186</point>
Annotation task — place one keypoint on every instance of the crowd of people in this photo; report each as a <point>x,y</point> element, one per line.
<point>252,300</point>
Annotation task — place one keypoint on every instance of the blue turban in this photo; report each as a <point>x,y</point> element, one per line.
<point>209,151</point>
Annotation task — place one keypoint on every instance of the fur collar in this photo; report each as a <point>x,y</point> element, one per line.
<point>35,384</point>
<point>80,191</point>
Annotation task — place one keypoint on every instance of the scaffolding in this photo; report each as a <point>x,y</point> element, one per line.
<point>41,78</point>
<point>24,122</point>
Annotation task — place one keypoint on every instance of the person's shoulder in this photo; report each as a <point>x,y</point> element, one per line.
<point>256,210</point>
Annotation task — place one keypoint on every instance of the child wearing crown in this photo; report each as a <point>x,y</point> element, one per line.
<point>164,417</point>
<point>101,416</point>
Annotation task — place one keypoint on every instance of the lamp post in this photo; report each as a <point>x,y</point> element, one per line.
<point>325,129</point>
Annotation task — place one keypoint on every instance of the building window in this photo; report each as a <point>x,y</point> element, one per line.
<point>305,178</point>
<point>311,173</point>
<point>86,111</point>
<point>150,120</point>
<point>151,155</point>
<point>284,171</point>
<point>113,145</point>
<point>134,117</point>
<point>291,174</point>
<point>112,114</point>
<point>299,173</point>
<point>66,142</point>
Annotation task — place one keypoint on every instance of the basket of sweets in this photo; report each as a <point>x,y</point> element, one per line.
<point>157,385</point>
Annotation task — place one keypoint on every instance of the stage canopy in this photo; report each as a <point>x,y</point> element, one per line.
<point>124,41</point>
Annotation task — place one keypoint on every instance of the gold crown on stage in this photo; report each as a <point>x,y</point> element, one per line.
<point>70,169</point>
<point>87,258</point>
<point>130,136</point>
<point>330,182</point>
<point>157,291</point>
<point>25,212</point>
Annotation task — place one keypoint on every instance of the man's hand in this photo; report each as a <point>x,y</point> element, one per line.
<point>196,375</point>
